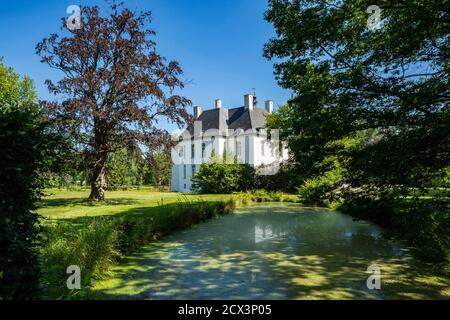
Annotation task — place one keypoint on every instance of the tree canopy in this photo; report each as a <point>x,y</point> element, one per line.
<point>347,77</point>
<point>115,86</point>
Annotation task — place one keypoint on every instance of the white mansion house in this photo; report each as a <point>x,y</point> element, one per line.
<point>238,133</point>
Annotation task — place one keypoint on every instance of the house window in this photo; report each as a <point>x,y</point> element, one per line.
<point>181,152</point>
<point>192,151</point>
<point>247,149</point>
<point>213,139</point>
<point>263,148</point>
<point>193,169</point>
<point>184,172</point>
<point>225,148</point>
<point>203,149</point>
<point>238,148</point>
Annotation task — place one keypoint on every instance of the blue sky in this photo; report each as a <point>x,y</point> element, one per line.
<point>219,44</point>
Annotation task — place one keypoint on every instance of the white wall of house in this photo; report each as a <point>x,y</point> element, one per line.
<point>250,148</point>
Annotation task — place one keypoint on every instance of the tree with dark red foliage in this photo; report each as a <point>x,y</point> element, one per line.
<point>115,86</point>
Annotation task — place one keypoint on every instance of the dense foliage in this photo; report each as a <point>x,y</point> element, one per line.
<point>158,169</point>
<point>220,177</point>
<point>389,84</point>
<point>124,168</point>
<point>28,147</point>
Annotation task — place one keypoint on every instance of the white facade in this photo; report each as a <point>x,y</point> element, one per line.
<point>249,147</point>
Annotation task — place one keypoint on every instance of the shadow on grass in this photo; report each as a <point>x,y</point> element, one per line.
<point>158,210</point>
<point>71,202</point>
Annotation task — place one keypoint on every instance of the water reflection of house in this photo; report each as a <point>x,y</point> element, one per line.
<point>266,232</point>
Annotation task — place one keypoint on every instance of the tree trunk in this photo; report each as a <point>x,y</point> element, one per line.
<point>98,183</point>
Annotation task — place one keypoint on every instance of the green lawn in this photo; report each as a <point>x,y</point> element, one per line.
<point>70,204</point>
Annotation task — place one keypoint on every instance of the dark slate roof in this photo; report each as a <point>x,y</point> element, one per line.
<point>237,118</point>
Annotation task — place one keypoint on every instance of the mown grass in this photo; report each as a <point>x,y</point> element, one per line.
<point>70,204</point>
<point>95,236</point>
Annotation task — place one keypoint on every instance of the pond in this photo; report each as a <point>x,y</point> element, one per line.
<point>274,251</point>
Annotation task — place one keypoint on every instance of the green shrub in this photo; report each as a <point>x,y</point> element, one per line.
<point>123,169</point>
<point>428,228</point>
<point>285,180</point>
<point>277,196</point>
<point>291,198</point>
<point>262,195</point>
<point>27,148</point>
<point>221,178</point>
<point>314,191</point>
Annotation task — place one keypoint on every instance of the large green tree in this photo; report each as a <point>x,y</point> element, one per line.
<point>348,76</point>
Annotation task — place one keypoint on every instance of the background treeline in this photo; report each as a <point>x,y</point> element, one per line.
<point>126,167</point>
<point>368,124</point>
